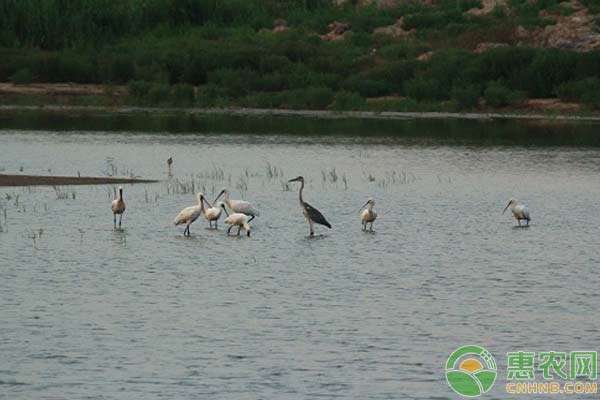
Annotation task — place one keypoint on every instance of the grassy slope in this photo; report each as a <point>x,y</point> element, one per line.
<point>225,53</point>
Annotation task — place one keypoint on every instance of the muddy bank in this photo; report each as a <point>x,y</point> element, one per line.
<point>39,180</point>
<point>320,114</point>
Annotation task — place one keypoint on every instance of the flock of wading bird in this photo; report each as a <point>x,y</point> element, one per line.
<point>242,212</point>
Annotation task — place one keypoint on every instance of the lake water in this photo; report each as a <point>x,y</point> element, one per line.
<point>90,312</point>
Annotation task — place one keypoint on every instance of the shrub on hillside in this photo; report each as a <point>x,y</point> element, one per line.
<point>235,82</point>
<point>465,96</point>
<point>312,98</point>
<point>211,95</point>
<point>498,95</point>
<point>138,89</point>
<point>182,94</point>
<point>22,76</point>
<point>348,101</point>
<point>366,87</point>
<point>585,91</point>
<point>158,93</point>
<point>422,89</point>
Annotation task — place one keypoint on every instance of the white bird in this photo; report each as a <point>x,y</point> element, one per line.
<point>190,214</point>
<point>238,206</point>
<point>118,207</point>
<point>519,211</point>
<point>214,213</point>
<point>237,219</point>
<point>368,215</point>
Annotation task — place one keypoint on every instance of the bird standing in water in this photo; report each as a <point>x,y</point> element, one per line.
<point>519,211</point>
<point>368,215</point>
<point>170,166</point>
<point>190,214</point>
<point>118,207</point>
<point>214,213</point>
<point>312,214</point>
<point>236,219</point>
<point>238,206</point>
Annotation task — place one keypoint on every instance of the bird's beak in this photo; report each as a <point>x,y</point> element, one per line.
<point>226,213</point>
<point>294,180</point>
<point>505,208</point>
<point>363,206</point>
<point>215,200</point>
<point>207,203</point>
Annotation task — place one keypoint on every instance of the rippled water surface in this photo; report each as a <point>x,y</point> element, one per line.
<point>90,312</point>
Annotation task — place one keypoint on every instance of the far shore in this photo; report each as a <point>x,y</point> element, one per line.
<point>41,180</point>
<point>323,114</point>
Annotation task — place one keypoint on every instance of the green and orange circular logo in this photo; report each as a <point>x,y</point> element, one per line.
<point>471,371</point>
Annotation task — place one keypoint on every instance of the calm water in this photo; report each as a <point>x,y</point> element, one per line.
<point>89,312</point>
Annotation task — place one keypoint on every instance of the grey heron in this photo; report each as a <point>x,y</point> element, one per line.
<point>312,214</point>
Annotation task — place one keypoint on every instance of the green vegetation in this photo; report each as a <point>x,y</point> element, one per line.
<point>214,53</point>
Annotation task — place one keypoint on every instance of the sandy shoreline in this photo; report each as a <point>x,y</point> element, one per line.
<point>322,114</point>
<point>40,180</point>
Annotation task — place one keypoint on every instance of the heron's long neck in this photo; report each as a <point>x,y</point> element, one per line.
<point>120,195</point>
<point>300,192</point>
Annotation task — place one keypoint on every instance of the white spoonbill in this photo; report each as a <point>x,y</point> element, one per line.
<point>238,206</point>
<point>214,213</point>
<point>190,214</point>
<point>237,219</point>
<point>118,207</point>
<point>312,214</point>
<point>519,211</point>
<point>368,215</point>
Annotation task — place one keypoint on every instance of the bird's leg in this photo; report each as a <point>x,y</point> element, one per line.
<point>115,220</point>
<point>120,218</point>
<point>229,230</point>
<point>310,226</point>
<point>239,229</point>
<point>216,224</point>
<point>371,227</point>
<point>251,218</point>
<point>519,222</point>
<point>186,232</point>
<point>527,223</point>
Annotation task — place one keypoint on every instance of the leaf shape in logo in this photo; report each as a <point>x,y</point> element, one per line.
<point>463,383</point>
<point>487,379</point>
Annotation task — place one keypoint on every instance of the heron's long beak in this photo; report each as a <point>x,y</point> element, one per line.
<point>363,206</point>
<point>224,209</point>
<point>294,180</point>
<point>505,208</point>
